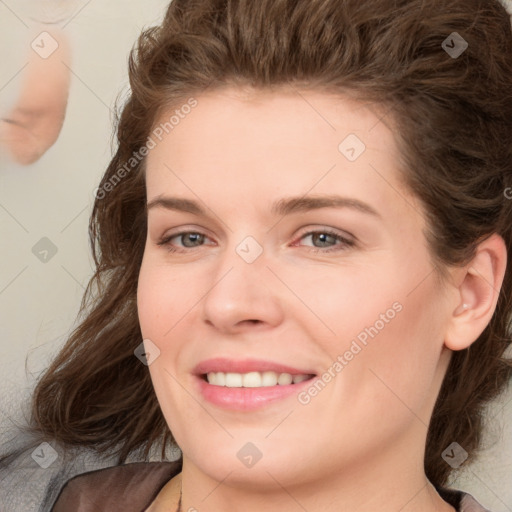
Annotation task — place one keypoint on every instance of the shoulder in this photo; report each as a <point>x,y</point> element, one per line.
<point>128,487</point>
<point>469,504</point>
<point>462,501</point>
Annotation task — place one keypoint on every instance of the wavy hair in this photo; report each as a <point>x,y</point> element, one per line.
<point>454,131</point>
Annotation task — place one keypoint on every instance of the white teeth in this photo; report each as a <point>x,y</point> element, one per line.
<point>299,378</point>
<point>284,379</point>
<point>269,379</point>
<point>253,379</point>
<point>220,378</point>
<point>233,380</point>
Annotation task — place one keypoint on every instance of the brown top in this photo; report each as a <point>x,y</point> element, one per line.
<point>133,487</point>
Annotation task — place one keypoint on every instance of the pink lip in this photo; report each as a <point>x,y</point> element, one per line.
<point>246,399</point>
<point>221,364</point>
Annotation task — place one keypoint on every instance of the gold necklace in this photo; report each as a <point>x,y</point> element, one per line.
<point>179,502</point>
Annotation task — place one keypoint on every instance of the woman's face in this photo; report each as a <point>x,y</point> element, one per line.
<point>281,241</point>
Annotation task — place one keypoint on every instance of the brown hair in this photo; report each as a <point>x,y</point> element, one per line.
<point>454,119</point>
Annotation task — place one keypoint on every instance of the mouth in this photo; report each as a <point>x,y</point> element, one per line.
<point>255,379</point>
<point>250,384</point>
<point>259,394</point>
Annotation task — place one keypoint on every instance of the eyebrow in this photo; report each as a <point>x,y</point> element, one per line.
<point>285,206</point>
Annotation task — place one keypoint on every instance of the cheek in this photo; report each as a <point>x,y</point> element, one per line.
<point>149,303</point>
<point>160,304</point>
<point>162,298</point>
<point>345,303</point>
<point>394,372</point>
<point>387,326</point>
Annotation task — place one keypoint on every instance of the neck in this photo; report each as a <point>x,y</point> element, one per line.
<point>359,489</point>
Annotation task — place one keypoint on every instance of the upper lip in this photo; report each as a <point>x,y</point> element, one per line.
<point>221,364</point>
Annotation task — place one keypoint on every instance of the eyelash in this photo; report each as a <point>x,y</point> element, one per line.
<point>345,242</point>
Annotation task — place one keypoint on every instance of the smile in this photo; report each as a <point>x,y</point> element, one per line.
<point>261,392</point>
<point>254,379</point>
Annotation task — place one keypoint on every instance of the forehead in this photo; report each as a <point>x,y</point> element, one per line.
<point>282,142</point>
<point>260,112</point>
<point>289,121</point>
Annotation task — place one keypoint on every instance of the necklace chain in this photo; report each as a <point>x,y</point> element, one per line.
<point>179,502</point>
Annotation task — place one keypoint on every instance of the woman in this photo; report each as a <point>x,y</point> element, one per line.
<point>303,265</point>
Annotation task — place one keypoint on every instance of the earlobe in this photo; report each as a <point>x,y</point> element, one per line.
<point>461,309</point>
<point>478,294</point>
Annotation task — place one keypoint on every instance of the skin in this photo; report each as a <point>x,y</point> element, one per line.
<point>34,123</point>
<point>359,444</point>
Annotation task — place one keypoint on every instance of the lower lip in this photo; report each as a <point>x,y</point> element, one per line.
<point>248,399</point>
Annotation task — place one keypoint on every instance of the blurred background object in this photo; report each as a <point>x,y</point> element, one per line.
<point>50,11</point>
<point>33,124</point>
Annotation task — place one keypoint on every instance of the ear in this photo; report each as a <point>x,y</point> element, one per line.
<point>477,294</point>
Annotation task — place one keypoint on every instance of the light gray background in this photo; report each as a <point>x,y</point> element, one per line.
<point>53,198</point>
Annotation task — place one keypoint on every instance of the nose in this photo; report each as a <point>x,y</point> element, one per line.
<point>242,296</point>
